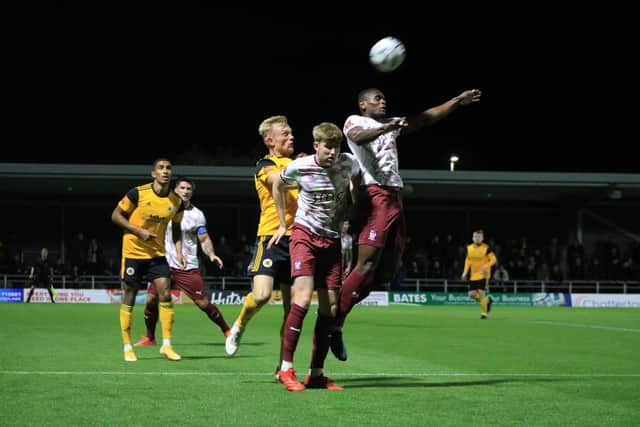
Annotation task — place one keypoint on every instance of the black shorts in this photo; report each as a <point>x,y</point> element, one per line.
<point>482,284</point>
<point>139,271</point>
<point>274,262</point>
<point>40,282</point>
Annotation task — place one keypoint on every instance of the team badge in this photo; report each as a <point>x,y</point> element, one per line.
<point>130,271</point>
<point>267,263</point>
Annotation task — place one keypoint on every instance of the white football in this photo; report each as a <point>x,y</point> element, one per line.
<point>387,54</point>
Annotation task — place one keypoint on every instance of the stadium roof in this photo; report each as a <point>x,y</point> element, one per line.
<point>26,180</point>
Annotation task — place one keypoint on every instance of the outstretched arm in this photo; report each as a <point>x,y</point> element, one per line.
<point>437,113</point>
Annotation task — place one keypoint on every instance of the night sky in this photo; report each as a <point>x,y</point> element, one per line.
<point>558,93</point>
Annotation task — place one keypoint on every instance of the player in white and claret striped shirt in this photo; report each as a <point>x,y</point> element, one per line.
<point>372,136</point>
<point>325,182</point>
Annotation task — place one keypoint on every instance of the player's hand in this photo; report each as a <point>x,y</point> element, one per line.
<point>146,235</point>
<point>275,239</point>
<point>346,271</point>
<point>217,261</point>
<point>469,96</point>
<point>182,261</point>
<point>463,277</point>
<point>397,123</point>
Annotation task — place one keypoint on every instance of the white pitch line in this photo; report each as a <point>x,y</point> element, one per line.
<point>341,375</point>
<point>584,325</point>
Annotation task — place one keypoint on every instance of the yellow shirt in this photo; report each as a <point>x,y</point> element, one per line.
<point>478,256</point>
<point>152,212</point>
<point>269,221</point>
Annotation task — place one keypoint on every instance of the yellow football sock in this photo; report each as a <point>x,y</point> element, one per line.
<point>484,303</point>
<point>125,323</point>
<point>167,316</point>
<point>249,309</point>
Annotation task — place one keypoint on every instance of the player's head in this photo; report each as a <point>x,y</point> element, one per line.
<point>162,170</point>
<point>478,237</point>
<point>327,138</point>
<point>44,253</point>
<point>277,136</point>
<point>372,103</point>
<point>184,188</point>
<point>345,226</point>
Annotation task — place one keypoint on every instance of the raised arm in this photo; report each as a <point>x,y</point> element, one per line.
<point>437,113</point>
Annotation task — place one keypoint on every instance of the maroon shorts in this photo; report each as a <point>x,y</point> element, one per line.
<point>317,256</point>
<point>190,281</point>
<point>382,218</point>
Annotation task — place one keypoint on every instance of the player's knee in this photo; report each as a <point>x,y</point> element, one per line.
<point>368,266</point>
<point>261,298</point>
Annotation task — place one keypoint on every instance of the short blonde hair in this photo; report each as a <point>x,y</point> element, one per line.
<point>265,126</point>
<point>327,132</point>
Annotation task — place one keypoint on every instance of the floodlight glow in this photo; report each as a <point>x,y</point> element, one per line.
<point>452,162</point>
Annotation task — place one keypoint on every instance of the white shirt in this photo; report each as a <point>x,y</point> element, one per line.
<point>193,220</point>
<point>378,159</point>
<point>323,192</point>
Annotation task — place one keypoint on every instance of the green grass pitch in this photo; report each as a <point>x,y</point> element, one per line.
<point>408,366</point>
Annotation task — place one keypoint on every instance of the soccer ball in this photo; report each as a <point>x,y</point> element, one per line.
<point>387,54</point>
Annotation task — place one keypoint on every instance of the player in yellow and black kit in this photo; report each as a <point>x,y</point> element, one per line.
<point>479,260</point>
<point>144,214</point>
<point>269,265</point>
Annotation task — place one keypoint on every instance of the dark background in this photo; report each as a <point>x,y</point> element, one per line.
<point>559,87</point>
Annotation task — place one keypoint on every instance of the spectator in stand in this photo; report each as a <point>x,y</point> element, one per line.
<point>78,250</point>
<point>576,268</point>
<point>224,251</point>
<point>435,269</point>
<point>16,264</point>
<point>556,273</point>
<point>94,257</point>
<point>5,259</point>
<point>500,276</point>
<point>596,270</point>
